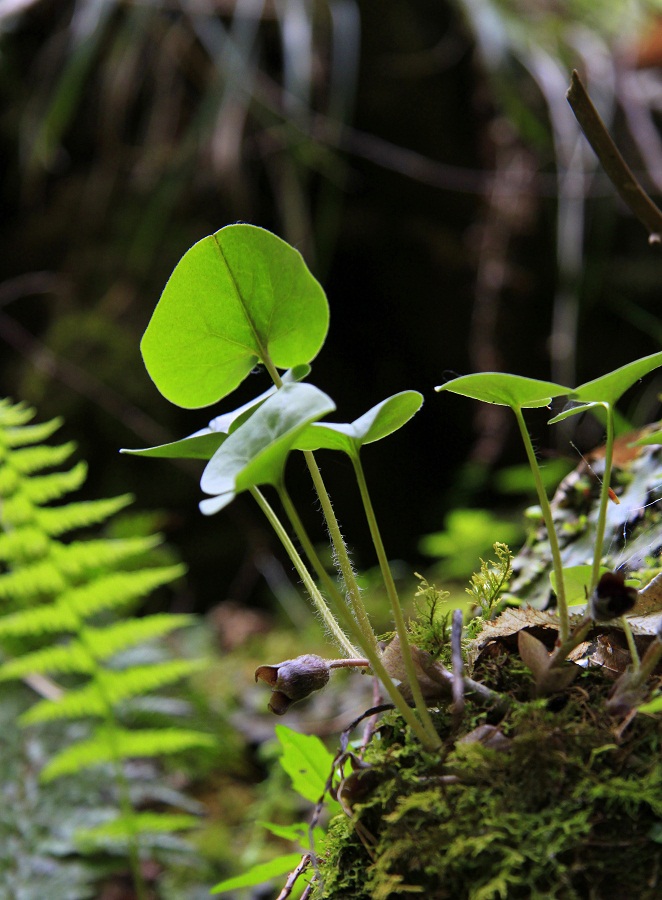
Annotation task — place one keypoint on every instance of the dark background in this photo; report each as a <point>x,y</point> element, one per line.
<point>413,152</point>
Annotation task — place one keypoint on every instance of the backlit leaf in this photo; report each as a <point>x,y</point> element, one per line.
<point>236,298</point>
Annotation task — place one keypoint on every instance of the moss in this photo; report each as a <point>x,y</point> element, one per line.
<point>562,809</point>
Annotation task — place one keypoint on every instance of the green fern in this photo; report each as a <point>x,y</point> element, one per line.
<point>59,603</point>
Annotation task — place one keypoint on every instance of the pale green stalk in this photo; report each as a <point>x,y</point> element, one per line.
<point>601,524</point>
<point>369,648</point>
<point>557,562</point>
<point>353,591</point>
<point>389,583</point>
<point>320,603</point>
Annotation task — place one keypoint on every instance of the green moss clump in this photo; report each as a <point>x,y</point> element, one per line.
<point>561,808</point>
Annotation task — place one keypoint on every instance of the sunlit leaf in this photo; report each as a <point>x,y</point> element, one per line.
<point>575,410</point>
<point>260,873</point>
<point>380,421</point>
<point>236,298</point>
<point>610,387</point>
<point>204,443</point>
<point>306,760</point>
<point>255,454</point>
<point>504,389</point>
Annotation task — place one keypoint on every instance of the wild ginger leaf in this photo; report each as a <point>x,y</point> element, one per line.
<point>380,421</point>
<point>204,443</point>
<point>256,452</point>
<point>610,388</point>
<point>236,298</point>
<point>504,389</point>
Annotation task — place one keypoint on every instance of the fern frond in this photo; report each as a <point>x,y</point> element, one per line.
<point>70,658</point>
<point>34,581</point>
<point>14,415</point>
<point>33,459</point>
<point>23,544</point>
<point>59,520</point>
<point>46,488</point>
<point>120,831</point>
<point>25,435</point>
<point>117,589</point>
<point>112,688</point>
<point>81,557</point>
<point>17,511</point>
<point>126,744</point>
<point>109,592</point>
<point>51,619</point>
<point>121,635</point>
<point>100,644</point>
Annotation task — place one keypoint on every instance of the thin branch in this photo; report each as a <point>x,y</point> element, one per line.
<point>620,174</point>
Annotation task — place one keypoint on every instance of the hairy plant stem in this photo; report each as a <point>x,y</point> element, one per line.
<point>308,548</point>
<point>601,523</point>
<point>557,563</point>
<point>369,648</point>
<point>321,606</point>
<point>353,591</point>
<point>354,597</point>
<point>392,593</point>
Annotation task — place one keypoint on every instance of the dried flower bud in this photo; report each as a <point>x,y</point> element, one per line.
<point>293,680</point>
<point>612,597</point>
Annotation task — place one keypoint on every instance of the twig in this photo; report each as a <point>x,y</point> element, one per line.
<point>293,877</point>
<point>458,664</point>
<point>620,174</point>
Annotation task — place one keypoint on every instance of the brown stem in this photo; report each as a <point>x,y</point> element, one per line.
<point>629,189</point>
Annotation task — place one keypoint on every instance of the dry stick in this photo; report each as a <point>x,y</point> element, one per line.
<point>620,174</point>
<point>458,665</point>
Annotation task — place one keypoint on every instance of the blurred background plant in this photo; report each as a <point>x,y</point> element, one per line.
<point>420,154</point>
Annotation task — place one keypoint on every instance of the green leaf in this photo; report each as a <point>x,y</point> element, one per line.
<point>380,421</point>
<point>236,298</point>
<point>576,410</point>
<point>577,580</point>
<point>610,387</point>
<point>260,873</point>
<point>651,708</point>
<point>204,443</point>
<point>654,438</point>
<point>201,445</point>
<point>505,390</point>
<point>256,452</point>
<point>306,760</point>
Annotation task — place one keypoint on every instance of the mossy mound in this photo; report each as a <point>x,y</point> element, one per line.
<point>555,799</point>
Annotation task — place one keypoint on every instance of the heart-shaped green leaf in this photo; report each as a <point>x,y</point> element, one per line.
<point>654,438</point>
<point>204,443</point>
<point>256,452</point>
<point>380,421</point>
<point>201,445</point>
<point>575,411</point>
<point>610,387</point>
<point>236,298</point>
<point>505,389</point>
